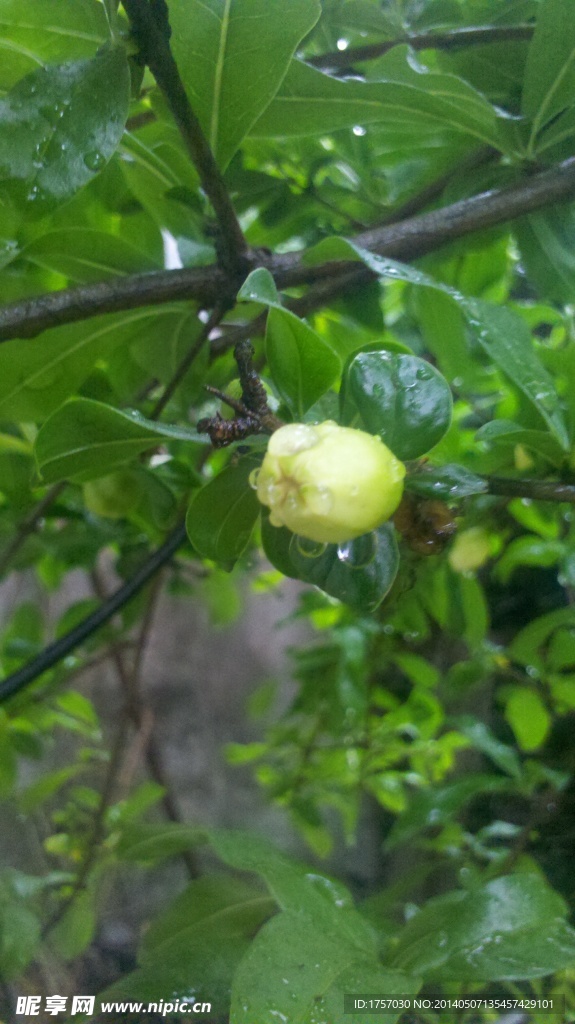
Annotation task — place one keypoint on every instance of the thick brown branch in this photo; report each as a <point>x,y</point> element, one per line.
<point>406,240</point>
<point>452,40</point>
<point>29,317</point>
<point>153,38</point>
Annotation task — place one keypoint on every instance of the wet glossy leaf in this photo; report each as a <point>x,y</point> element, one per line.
<point>359,573</point>
<point>147,843</point>
<point>512,928</point>
<point>42,31</point>
<point>297,971</point>
<point>61,124</point>
<point>310,102</point>
<point>402,398</point>
<point>501,332</point>
<point>446,482</point>
<point>36,378</point>
<point>221,515</point>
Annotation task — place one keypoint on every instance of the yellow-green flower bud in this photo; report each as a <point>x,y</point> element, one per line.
<point>329,483</point>
<point>470,550</point>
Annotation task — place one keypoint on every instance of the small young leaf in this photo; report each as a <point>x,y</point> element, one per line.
<point>527,716</point>
<point>302,365</point>
<point>259,286</point>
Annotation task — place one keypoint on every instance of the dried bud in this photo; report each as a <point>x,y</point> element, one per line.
<point>329,483</point>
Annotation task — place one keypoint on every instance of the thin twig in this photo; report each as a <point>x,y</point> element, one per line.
<point>98,828</point>
<point>130,682</point>
<point>151,28</point>
<point>452,40</point>
<point>185,364</point>
<point>407,239</point>
<point>58,650</point>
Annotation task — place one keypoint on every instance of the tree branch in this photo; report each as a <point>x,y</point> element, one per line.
<point>452,40</point>
<point>407,239</point>
<point>539,490</point>
<point>151,29</point>
<point>58,650</point>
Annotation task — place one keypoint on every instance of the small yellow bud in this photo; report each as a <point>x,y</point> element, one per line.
<point>470,550</point>
<point>329,483</point>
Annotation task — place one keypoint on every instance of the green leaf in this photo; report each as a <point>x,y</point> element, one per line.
<point>439,805</point>
<point>221,516</point>
<point>549,84</point>
<point>259,286</point>
<point>449,482</point>
<point>502,333</point>
<point>296,971</point>
<point>85,439</point>
<point>61,124</point>
<point>310,102</point>
<point>43,31</point>
<point>205,932</point>
<point>145,843</point>
<point>512,928</point>
<point>19,938</point>
<point>233,55</point>
<point>295,888</point>
<point>528,717</point>
<point>483,739</point>
<point>75,930</point>
<point>528,645</point>
<point>83,254</point>
<point>538,551</point>
<point>506,434</point>
<point>37,376</point>
<point>302,365</point>
<point>546,242</point>
<point>402,398</point>
<point>360,573</point>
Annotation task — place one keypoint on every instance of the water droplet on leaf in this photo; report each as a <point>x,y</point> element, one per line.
<point>94,160</point>
<point>306,547</point>
<point>359,552</point>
